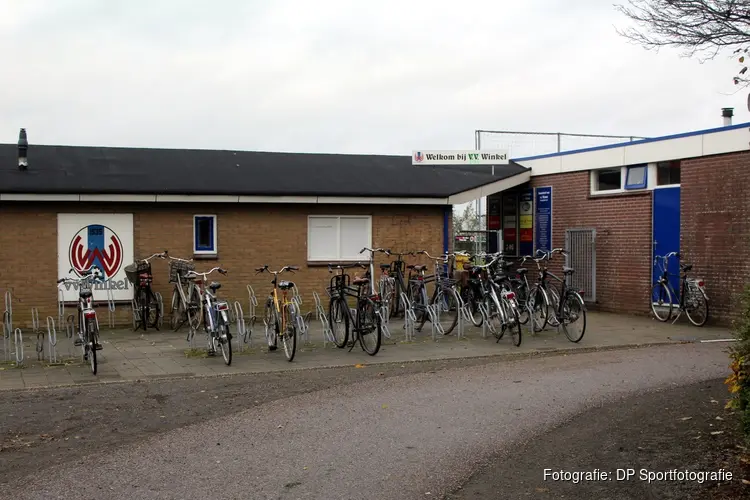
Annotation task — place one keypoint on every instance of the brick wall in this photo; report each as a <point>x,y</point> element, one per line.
<point>248,236</point>
<point>715,233</point>
<point>623,237</point>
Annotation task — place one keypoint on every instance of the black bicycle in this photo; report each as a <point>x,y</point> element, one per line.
<point>693,296</point>
<point>570,310</point>
<point>147,308</point>
<point>365,318</point>
<point>398,272</point>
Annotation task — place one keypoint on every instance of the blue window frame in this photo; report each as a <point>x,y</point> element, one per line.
<point>636,177</point>
<point>204,234</point>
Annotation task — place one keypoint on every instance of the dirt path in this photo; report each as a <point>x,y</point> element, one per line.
<point>659,431</point>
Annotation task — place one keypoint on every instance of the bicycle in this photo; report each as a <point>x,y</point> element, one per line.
<point>88,324</point>
<point>185,303</point>
<point>569,307</point>
<point>147,308</point>
<point>397,270</point>
<point>366,318</point>
<point>445,297</point>
<point>692,293</point>
<point>215,315</point>
<point>280,316</point>
<point>498,309</point>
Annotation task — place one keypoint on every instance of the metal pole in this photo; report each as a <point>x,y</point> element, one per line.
<point>558,142</point>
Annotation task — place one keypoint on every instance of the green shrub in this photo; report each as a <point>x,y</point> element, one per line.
<point>738,381</point>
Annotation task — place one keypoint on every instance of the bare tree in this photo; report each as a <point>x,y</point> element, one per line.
<point>701,28</point>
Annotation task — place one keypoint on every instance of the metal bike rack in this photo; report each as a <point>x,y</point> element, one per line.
<point>321,315</point>
<point>242,331</point>
<point>385,308</point>
<point>485,320</point>
<point>160,302</point>
<point>18,344</point>
<point>464,317</point>
<point>52,339</point>
<point>410,318</point>
<point>7,324</point>
<point>136,313</point>
<point>110,307</point>
<point>434,313</point>
<point>302,321</point>
<point>39,334</point>
<point>191,337</point>
<point>384,313</point>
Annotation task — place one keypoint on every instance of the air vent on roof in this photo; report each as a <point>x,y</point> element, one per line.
<point>727,114</point>
<point>23,150</point>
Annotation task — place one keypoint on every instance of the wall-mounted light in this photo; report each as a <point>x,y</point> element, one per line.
<point>23,150</point>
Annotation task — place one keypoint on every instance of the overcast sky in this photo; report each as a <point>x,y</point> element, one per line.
<point>340,76</point>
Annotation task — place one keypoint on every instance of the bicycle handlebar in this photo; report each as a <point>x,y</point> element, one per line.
<point>373,250</point>
<point>192,274</point>
<point>331,267</point>
<point>389,252</point>
<point>162,255</point>
<point>177,258</point>
<point>89,274</point>
<point>291,269</point>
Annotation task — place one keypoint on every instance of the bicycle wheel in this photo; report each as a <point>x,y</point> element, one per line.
<point>289,336</point>
<point>573,316</point>
<point>447,308</point>
<point>513,322</point>
<point>90,344</point>
<point>272,324</point>
<point>522,292</point>
<point>696,306</point>
<point>152,310</point>
<point>194,308</point>
<point>338,321</point>
<point>369,327</point>
<point>661,301</point>
<point>538,305</point>
<point>225,343</point>
<point>494,317</point>
<point>469,297</point>
<point>177,311</point>
<point>553,302</point>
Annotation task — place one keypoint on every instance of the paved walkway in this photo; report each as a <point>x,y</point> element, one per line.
<point>129,355</point>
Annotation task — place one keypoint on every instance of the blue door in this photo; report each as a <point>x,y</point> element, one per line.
<point>666,232</point>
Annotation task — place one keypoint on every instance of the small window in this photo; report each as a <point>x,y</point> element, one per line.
<point>636,177</point>
<point>204,234</point>
<point>667,173</point>
<point>607,179</point>
<point>333,238</point>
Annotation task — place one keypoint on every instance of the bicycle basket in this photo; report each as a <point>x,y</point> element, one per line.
<point>133,270</point>
<point>179,268</point>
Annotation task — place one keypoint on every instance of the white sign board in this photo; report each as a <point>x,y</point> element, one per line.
<point>462,157</point>
<point>101,240</point>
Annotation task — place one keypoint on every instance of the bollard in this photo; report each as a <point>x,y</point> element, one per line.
<point>18,341</point>
<point>52,339</point>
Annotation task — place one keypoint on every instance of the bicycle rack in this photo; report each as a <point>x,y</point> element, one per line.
<point>18,344</point>
<point>485,320</point>
<point>321,315</point>
<point>252,308</point>
<point>160,305</point>
<point>242,331</point>
<point>136,314</point>
<point>191,337</point>
<point>464,316</point>
<point>383,312</point>
<point>39,334</point>
<point>385,308</point>
<point>7,324</point>
<point>299,319</point>
<point>110,307</point>
<point>434,312</point>
<point>410,318</point>
<point>52,339</point>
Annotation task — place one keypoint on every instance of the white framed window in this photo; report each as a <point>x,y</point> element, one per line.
<point>204,235</point>
<point>606,180</point>
<point>332,238</point>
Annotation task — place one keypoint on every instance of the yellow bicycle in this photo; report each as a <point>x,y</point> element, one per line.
<point>280,315</point>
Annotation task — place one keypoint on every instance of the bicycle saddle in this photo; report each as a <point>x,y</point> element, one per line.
<point>286,285</point>
<point>85,293</point>
<point>360,281</point>
<point>417,267</point>
<point>214,286</point>
<point>568,270</point>
<point>522,270</point>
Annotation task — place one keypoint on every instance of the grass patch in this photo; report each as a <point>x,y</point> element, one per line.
<point>196,353</point>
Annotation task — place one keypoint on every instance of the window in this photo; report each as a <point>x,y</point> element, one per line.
<point>667,173</point>
<point>204,234</point>
<point>607,179</point>
<point>338,238</point>
<point>636,177</point>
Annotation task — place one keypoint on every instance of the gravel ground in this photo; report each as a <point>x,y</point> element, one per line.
<point>412,436</point>
<point>658,431</point>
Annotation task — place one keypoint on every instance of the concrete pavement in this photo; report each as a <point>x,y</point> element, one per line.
<point>129,355</point>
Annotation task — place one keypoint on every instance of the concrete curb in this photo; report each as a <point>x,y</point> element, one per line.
<point>491,358</point>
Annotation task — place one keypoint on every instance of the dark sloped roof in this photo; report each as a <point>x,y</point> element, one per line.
<point>100,170</point>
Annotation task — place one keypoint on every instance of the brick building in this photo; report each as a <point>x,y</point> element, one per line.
<point>68,206</point>
<point>615,207</point>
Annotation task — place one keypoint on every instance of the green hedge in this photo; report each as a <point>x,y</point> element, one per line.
<point>738,381</point>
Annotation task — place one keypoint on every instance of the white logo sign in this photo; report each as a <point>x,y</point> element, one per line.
<point>462,157</point>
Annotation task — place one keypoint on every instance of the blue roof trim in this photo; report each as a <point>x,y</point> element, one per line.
<point>632,143</point>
